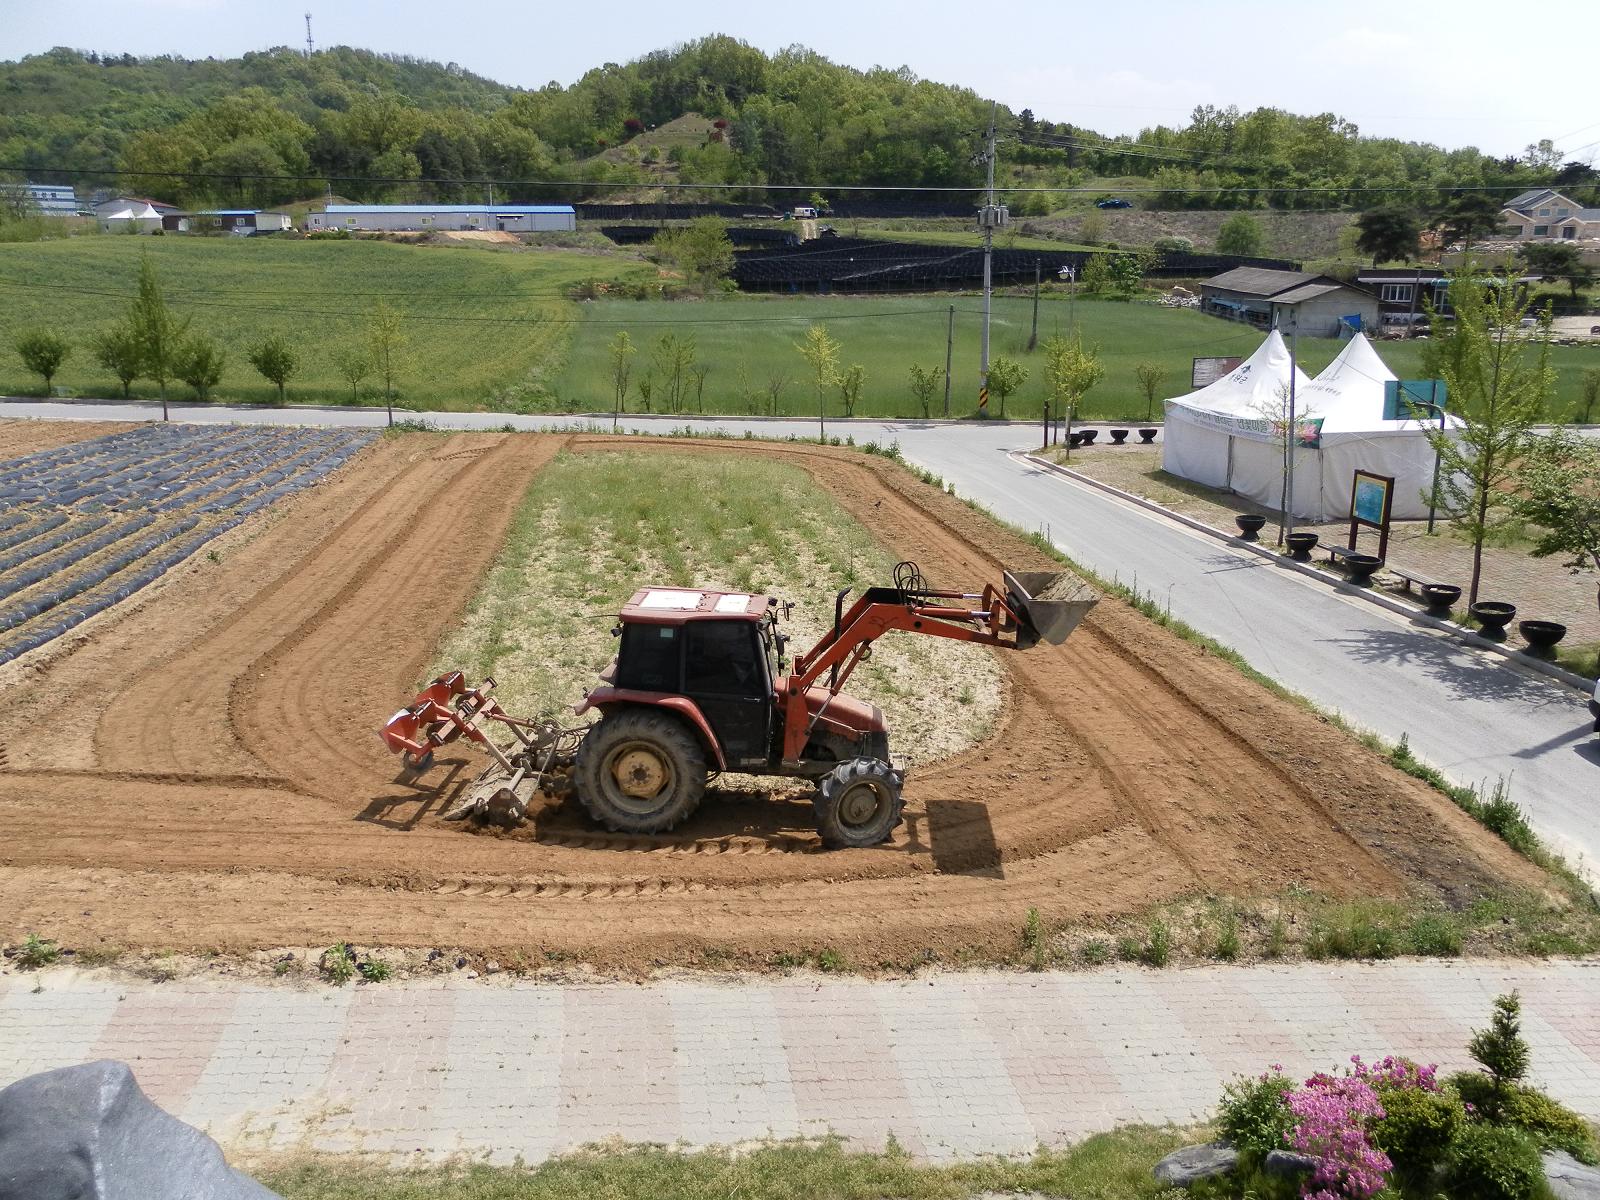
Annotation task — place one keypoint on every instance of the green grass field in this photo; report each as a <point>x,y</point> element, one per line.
<point>491,329</point>
<point>487,327</point>
<point>748,341</point>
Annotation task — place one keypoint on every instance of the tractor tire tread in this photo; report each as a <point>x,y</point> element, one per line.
<point>832,786</point>
<point>647,724</point>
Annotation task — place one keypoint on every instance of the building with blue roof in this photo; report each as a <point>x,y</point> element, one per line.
<point>512,218</point>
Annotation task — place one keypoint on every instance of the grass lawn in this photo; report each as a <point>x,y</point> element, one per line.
<point>1112,1166</point>
<point>486,327</point>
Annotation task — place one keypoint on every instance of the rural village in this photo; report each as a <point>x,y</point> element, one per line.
<point>753,625</point>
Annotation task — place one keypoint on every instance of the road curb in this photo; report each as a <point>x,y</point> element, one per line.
<point>1421,616</point>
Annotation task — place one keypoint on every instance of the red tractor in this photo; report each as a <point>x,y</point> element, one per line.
<point>701,684</point>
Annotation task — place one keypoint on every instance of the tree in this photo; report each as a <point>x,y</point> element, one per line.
<point>386,336</point>
<point>1558,262</point>
<point>1591,394</point>
<point>1388,234</point>
<point>1498,385</point>
<point>622,351</point>
<point>700,249</point>
<point>647,390</point>
<point>777,380</point>
<point>42,352</point>
<point>199,363</point>
<point>275,359</point>
<point>1240,234</point>
<point>1005,377</point>
<point>698,373</point>
<point>821,353</point>
<point>925,383</point>
<point>1468,215</point>
<point>1501,1050</point>
<point>353,364</point>
<point>1150,376</point>
<point>1096,275</point>
<point>117,350</point>
<point>850,383</point>
<point>1070,370</point>
<point>157,331</point>
<point>1559,483</point>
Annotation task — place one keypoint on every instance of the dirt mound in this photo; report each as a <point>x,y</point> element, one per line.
<point>205,772</point>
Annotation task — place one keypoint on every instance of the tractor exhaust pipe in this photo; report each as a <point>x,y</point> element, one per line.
<point>1049,604</point>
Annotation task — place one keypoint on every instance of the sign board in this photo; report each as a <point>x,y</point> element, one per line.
<point>1206,371</point>
<point>1371,501</point>
<point>1413,399</point>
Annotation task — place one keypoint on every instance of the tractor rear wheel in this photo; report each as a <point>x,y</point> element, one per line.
<point>859,803</point>
<point>640,771</point>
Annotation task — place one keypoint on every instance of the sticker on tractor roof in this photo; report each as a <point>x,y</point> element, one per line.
<point>733,603</point>
<point>682,601</point>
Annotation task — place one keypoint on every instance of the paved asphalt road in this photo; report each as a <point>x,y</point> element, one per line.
<point>1473,715</point>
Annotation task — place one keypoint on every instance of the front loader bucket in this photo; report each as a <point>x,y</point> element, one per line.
<point>1050,604</point>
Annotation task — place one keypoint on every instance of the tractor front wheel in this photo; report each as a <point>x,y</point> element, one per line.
<point>640,771</point>
<point>858,803</point>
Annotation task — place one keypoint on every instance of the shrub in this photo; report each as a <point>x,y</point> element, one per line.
<point>1331,1117</point>
<point>1502,1051</point>
<point>1254,1117</point>
<point>375,970</point>
<point>1417,1127</point>
<point>1549,1122</point>
<point>1489,1162</point>
<point>338,964</point>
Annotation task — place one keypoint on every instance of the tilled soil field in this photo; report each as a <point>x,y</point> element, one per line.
<point>203,771</point>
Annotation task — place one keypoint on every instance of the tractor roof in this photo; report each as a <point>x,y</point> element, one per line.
<point>673,606</point>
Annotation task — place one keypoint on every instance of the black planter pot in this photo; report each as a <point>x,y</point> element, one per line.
<point>1360,567</point>
<point>1147,437</point>
<point>1074,439</point>
<point>1493,616</point>
<point>1089,436</point>
<point>1118,436</point>
<point>1301,545</point>
<point>1542,635</point>
<point>1249,525</point>
<point>1440,596</point>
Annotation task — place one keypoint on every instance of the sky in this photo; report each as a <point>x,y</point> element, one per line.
<point>1452,72</point>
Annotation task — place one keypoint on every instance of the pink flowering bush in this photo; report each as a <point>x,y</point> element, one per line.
<point>1333,1115</point>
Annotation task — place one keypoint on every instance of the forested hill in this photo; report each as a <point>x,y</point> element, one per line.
<point>275,126</point>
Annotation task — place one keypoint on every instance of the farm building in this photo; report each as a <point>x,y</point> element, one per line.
<point>1315,305</point>
<point>512,218</point>
<point>125,214</point>
<point>242,221</point>
<point>51,199</point>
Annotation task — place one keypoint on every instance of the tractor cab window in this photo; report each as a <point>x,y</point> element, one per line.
<point>649,658</point>
<point>722,660</point>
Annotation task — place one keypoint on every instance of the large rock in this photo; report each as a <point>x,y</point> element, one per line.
<point>1288,1163</point>
<point>1183,1168</point>
<point>89,1133</point>
<point>1570,1179</point>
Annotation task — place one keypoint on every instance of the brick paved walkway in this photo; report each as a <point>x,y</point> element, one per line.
<point>1539,587</point>
<point>952,1065</point>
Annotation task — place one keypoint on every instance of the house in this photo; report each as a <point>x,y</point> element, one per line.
<point>1406,293</point>
<point>514,218</point>
<point>240,221</point>
<point>128,214</point>
<point>1315,305</point>
<point>1545,214</point>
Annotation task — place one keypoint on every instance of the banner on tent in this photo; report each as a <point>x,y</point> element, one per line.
<point>1308,430</point>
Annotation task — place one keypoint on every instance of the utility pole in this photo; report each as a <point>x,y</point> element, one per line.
<point>1033,338</point>
<point>1286,519</point>
<point>949,345</point>
<point>989,218</point>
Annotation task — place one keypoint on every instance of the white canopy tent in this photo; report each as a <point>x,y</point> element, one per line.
<point>1224,435</point>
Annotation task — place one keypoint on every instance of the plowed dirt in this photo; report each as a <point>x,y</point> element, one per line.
<point>204,772</point>
<point>19,436</point>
